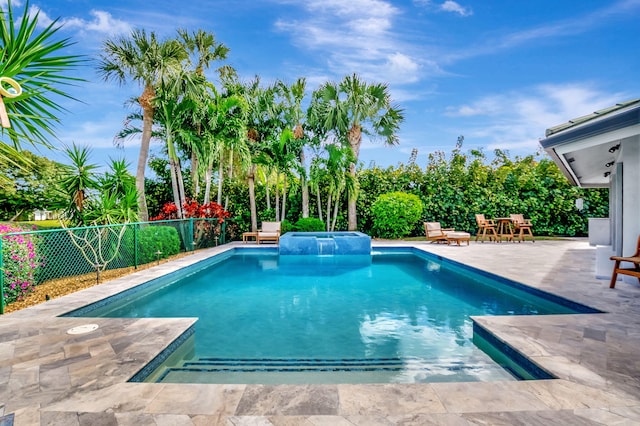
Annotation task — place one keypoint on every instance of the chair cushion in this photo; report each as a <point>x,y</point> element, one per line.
<point>458,235</point>
<point>270,226</point>
<point>268,234</point>
<point>434,229</point>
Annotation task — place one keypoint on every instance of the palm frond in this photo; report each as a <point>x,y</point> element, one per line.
<point>32,60</point>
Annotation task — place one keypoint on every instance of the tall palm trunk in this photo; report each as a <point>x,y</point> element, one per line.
<point>354,136</point>
<point>267,192</point>
<point>335,212</point>
<point>195,176</point>
<point>177,183</point>
<point>319,202</point>
<point>226,200</point>
<point>351,204</point>
<point>220,178</point>
<point>145,101</point>
<point>305,187</point>
<point>252,198</point>
<point>181,192</point>
<point>174,187</point>
<point>284,198</point>
<point>329,212</point>
<point>277,195</point>
<point>208,175</point>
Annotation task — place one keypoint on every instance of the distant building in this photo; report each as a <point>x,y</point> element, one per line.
<point>44,215</point>
<point>602,150</point>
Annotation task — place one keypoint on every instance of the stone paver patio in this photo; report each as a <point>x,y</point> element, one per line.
<point>50,377</point>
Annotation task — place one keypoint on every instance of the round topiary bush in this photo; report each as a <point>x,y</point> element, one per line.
<point>310,224</point>
<point>395,214</point>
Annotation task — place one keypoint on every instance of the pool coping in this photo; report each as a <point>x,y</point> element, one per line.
<point>582,390</point>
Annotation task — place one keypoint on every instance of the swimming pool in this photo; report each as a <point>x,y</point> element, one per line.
<point>398,315</point>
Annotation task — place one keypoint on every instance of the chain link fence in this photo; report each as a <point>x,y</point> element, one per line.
<point>31,258</point>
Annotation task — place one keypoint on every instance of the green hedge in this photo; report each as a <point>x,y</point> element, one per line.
<point>157,242</point>
<point>310,224</point>
<point>453,187</point>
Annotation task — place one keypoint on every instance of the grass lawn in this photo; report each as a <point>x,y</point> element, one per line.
<point>41,224</point>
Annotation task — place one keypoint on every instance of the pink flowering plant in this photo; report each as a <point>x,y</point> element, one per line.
<point>21,261</point>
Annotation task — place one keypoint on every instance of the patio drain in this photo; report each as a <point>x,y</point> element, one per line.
<point>82,329</point>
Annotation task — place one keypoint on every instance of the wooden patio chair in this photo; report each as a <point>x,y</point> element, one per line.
<point>634,272</point>
<point>522,226</point>
<point>486,228</point>
<point>435,233</point>
<point>270,232</point>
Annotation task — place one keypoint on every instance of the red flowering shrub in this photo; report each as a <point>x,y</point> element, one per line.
<point>211,210</point>
<point>205,232</point>
<point>192,209</point>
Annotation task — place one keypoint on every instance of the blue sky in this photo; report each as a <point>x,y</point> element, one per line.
<point>497,72</point>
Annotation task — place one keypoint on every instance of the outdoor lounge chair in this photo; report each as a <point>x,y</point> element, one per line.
<point>522,226</point>
<point>486,228</point>
<point>634,272</point>
<point>270,232</point>
<point>435,233</point>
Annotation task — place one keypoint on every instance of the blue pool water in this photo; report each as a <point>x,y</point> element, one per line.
<point>387,317</point>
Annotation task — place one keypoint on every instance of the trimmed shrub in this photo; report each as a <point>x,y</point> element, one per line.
<point>310,224</point>
<point>154,239</point>
<point>395,214</point>
<point>285,226</point>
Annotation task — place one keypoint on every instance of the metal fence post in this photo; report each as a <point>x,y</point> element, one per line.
<point>191,235</point>
<point>223,232</point>
<point>135,245</point>
<point>1,280</point>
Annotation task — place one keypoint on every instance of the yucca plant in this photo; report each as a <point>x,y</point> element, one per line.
<point>32,57</point>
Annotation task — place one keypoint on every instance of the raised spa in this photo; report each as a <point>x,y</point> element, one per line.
<point>325,243</point>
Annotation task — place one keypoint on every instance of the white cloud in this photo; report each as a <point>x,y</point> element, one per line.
<point>403,66</point>
<point>517,120</point>
<point>350,8</point>
<point>102,23</point>
<point>452,6</point>
<point>96,134</point>
<point>446,6</point>
<point>14,4</point>
<point>43,19</point>
<point>355,36</point>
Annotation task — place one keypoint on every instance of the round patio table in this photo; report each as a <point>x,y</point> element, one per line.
<point>504,227</point>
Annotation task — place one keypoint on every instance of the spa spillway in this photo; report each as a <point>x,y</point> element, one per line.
<point>325,243</point>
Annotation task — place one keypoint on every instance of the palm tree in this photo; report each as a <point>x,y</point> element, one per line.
<point>117,180</point>
<point>282,158</point>
<point>32,59</point>
<point>203,44</point>
<point>259,125</point>
<point>204,47</point>
<point>78,179</point>
<point>225,120</point>
<point>149,62</point>
<point>337,179</point>
<point>351,108</point>
<point>293,96</point>
<point>169,114</point>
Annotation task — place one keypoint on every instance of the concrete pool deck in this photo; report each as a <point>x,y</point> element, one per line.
<point>50,377</point>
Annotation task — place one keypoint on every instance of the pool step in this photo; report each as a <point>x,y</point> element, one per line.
<point>297,364</point>
<point>304,366</point>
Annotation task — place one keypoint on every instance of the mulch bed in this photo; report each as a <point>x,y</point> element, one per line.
<point>63,286</point>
